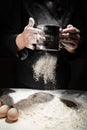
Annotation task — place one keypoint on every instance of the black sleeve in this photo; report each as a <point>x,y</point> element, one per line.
<point>79,20</point>
<point>12,23</point>
<point>8,40</point>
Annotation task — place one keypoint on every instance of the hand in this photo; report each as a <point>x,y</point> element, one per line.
<point>30,36</point>
<point>70,37</point>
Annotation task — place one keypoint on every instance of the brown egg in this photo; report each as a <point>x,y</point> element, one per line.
<point>3,111</point>
<point>12,115</point>
<point>1,103</point>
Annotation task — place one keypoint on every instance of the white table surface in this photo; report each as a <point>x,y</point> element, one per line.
<point>49,115</point>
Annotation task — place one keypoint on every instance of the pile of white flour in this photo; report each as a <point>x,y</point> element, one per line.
<point>55,115</point>
<point>49,115</point>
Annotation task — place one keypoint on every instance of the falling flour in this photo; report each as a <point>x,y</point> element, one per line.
<point>45,67</point>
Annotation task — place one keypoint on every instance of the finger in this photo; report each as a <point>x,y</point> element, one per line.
<point>70,48</point>
<point>64,35</point>
<point>70,35</point>
<point>69,43</point>
<point>38,31</point>
<point>71,30</point>
<point>69,25</point>
<point>31,22</point>
<point>60,29</point>
<point>30,46</point>
<point>40,39</point>
<point>33,40</point>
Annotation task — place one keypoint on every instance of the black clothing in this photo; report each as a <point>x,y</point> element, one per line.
<point>58,12</point>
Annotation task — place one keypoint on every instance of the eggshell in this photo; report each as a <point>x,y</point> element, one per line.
<point>3,111</point>
<point>1,103</point>
<point>12,114</point>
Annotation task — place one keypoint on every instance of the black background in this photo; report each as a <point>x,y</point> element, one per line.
<point>8,62</point>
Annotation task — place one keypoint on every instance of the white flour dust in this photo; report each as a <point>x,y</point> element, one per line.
<point>55,115</point>
<point>45,68</point>
<point>43,110</point>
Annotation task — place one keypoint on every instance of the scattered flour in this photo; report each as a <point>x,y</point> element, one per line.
<point>55,115</point>
<point>46,114</point>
